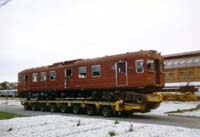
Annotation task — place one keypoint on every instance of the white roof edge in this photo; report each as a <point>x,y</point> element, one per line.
<point>181,84</point>
<point>182,53</point>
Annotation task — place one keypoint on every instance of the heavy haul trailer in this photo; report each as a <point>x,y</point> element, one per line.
<point>125,82</point>
<point>94,107</point>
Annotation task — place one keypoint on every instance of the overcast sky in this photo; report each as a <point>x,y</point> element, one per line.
<point>40,32</point>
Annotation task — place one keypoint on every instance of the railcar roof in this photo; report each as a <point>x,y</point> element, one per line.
<point>140,53</point>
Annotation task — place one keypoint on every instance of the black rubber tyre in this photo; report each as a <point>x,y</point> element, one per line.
<point>76,109</point>
<point>107,111</point>
<point>91,110</point>
<point>63,108</point>
<point>141,99</point>
<point>43,107</point>
<point>126,114</point>
<point>26,107</point>
<point>34,107</point>
<point>53,108</point>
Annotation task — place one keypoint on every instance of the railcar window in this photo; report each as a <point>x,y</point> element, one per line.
<point>151,65</point>
<point>121,67</point>
<point>82,72</point>
<point>35,77</point>
<point>69,72</point>
<point>52,75</point>
<point>43,76</point>
<point>139,66</point>
<point>161,67</point>
<point>96,70</point>
<point>26,77</point>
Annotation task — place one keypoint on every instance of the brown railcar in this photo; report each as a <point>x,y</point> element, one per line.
<point>124,74</point>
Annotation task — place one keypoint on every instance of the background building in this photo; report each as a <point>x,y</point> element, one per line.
<point>8,93</point>
<point>182,69</point>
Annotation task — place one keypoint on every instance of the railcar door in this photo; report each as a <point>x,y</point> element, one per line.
<point>68,82</point>
<point>157,68</point>
<point>25,80</point>
<point>121,73</point>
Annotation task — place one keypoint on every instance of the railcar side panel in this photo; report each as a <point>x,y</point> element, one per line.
<point>110,72</point>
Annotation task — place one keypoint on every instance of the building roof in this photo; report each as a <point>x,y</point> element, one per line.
<point>182,60</point>
<point>182,55</point>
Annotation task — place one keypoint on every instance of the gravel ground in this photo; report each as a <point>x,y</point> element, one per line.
<point>155,117</point>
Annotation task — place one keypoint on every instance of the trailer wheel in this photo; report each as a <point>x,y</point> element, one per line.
<point>76,109</point>
<point>53,108</point>
<point>26,107</point>
<point>126,113</point>
<point>43,107</point>
<point>107,111</point>
<point>63,108</point>
<point>91,110</point>
<point>34,107</point>
<point>141,99</point>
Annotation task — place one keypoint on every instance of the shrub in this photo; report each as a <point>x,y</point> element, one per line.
<point>179,111</point>
<point>116,122</point>
<point>130,128</point>
<point>78,123</point>
<point>112,133</point>
<point>10,129</point>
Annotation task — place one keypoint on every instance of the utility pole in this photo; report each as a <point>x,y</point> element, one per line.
<point>6,100</point>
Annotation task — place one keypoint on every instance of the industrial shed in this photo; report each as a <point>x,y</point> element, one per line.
<point>182,69</point>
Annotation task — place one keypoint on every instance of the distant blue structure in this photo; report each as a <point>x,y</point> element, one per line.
<point>9,93</point>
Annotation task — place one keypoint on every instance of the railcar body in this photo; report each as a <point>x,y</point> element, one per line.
<point>104,78</point>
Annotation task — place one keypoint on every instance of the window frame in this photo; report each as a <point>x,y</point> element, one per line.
<point>190,75</point>
<point>35,75</point>
<point>121,67</point>
<point>161,66</point>
<point>26,77</point>
<point>79,73</point>
<point>170,76</point>
<point>20,78</point>
<point>138,60</point>
<point>198,74</point>
<point>67,74</point>
<point>151,61</point>
<point>182,75</point>
<point>54,75</point>
<point>41,76</point>
<point>98,65</point>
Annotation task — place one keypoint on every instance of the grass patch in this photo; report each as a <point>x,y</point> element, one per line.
<point>6,115</point>
<point>185,110</point>
<point>179,111</point>
<point>198,106</point>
